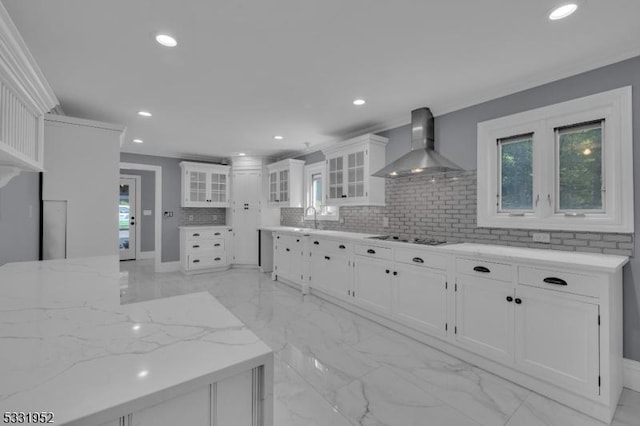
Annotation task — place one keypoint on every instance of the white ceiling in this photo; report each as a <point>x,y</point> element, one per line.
<point>245,70</point>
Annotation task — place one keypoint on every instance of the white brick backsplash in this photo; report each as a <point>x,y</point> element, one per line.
<point>446,209</point>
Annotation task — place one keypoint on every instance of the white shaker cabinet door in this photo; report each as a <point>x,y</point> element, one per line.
<point>372,284</point>
<point>420,298</point>
<point>485,317</point>
<point>557,338</point>
<point>193,409</point>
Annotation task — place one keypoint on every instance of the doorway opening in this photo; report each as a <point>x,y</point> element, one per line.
<point>128,217</point>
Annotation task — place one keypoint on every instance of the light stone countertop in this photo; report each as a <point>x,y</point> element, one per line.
<point>549,258</point>
<point>69,347</point>
<point>203,226</point>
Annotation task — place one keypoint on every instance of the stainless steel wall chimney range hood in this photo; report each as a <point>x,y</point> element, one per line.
<point>422,158</point>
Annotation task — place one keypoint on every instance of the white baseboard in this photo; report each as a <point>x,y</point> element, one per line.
<point>169,267</point>
<point>631,374</point>
<point>147,255</point>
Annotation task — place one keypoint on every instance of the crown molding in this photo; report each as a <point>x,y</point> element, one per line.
<point>18,68</point>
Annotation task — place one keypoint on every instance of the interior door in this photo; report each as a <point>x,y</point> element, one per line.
<point>127,218</point>
<point>246,216</point>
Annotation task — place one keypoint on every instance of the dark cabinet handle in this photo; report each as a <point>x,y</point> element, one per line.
<point>217,233</point>
<point>196,246</point>
<point>371,251</point>
<point>395,272</point>
<point>216,259</point>
<point>387,271</point>
<point>196,261</point>
<point>327,257</point>
<point>196,235</point>
<point>132,223</point>
<point>509,299</point>
<point>341,246</point>
<point>278,237</point>
<point>297,240</point>
<point>316,242</point>
<point>288,250</point>
<point>418,260</point>
<point>343,196</point>
<point>518,301</point>
<point>481,269</point>
<point>554,280</point>
<point>216,245</point>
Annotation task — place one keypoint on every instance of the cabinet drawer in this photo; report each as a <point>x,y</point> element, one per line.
<point>331,245</point>
<point>567,282</point>
<point>373,251</point>
<point>482,268</point>
<point>290,240</point>
<point>207,260</point>
<point>204,234</point>
<point>420,258</point>
<point>205,245</point>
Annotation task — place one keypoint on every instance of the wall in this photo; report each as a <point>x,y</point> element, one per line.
<point>171,194</point>
<point>148,199</point>
<point>20,219</point>
<point>456,138</point>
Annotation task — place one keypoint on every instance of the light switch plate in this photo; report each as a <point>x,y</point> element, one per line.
<point>147,212</point>
<point>542,237</point>
<point>190,218</point>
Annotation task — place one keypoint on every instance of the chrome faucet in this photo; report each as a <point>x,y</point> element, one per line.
<point>315,216</point>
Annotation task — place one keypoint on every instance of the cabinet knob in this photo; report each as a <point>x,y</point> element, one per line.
<point>509,299</point>
<point>518,301</point>
<point>288,250</point>
<point>387,271</point>
<point>395,272</point>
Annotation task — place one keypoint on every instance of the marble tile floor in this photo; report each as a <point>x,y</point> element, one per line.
<point>336,368</point>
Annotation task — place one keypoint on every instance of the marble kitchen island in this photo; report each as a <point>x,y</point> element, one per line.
<point>70,348</point>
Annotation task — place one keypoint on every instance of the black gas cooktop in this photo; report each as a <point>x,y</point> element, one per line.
<point>423,241</point>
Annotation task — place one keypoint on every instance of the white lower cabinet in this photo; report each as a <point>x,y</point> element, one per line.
<point>372,284</point>
<point>420,298</point>
<point>204,248</point>
<point>331,271</point>
<point>287,257</point>
<point>485,317</point>
<point>556,338</point>
<point>235,401</point>
<point>553,326</point>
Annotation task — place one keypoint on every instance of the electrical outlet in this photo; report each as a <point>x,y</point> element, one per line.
<point>190,218</point>
<point>542,237</point>
<point>214,217</point>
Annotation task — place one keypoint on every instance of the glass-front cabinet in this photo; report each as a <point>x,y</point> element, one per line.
<point>349,167</point>
<point>286,183</point>
<point>204,185</point>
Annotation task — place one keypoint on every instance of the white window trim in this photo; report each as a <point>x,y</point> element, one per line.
<point>614,107</point>
<point>309,171</point>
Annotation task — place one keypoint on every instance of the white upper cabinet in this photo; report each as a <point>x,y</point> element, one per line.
<point>204,185</point>
<point>349,167</point>
<point>286,183</point>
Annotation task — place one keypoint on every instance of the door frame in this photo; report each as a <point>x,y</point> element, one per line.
<point>137,212</point>
<point>158,208</point>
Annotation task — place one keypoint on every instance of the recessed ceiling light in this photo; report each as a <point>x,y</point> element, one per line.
<point>563,11</point>
<point>143,373</point>
<point>144,113</point>
<point>241,154</point>
<point>393,174</point>
<point>278,137</point>
<point>359,102</point>
<point>138,141</point>
<point>166,40</point>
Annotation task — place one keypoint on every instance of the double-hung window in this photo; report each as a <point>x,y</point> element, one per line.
<point>316,186</point>
<point>567,166</point>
